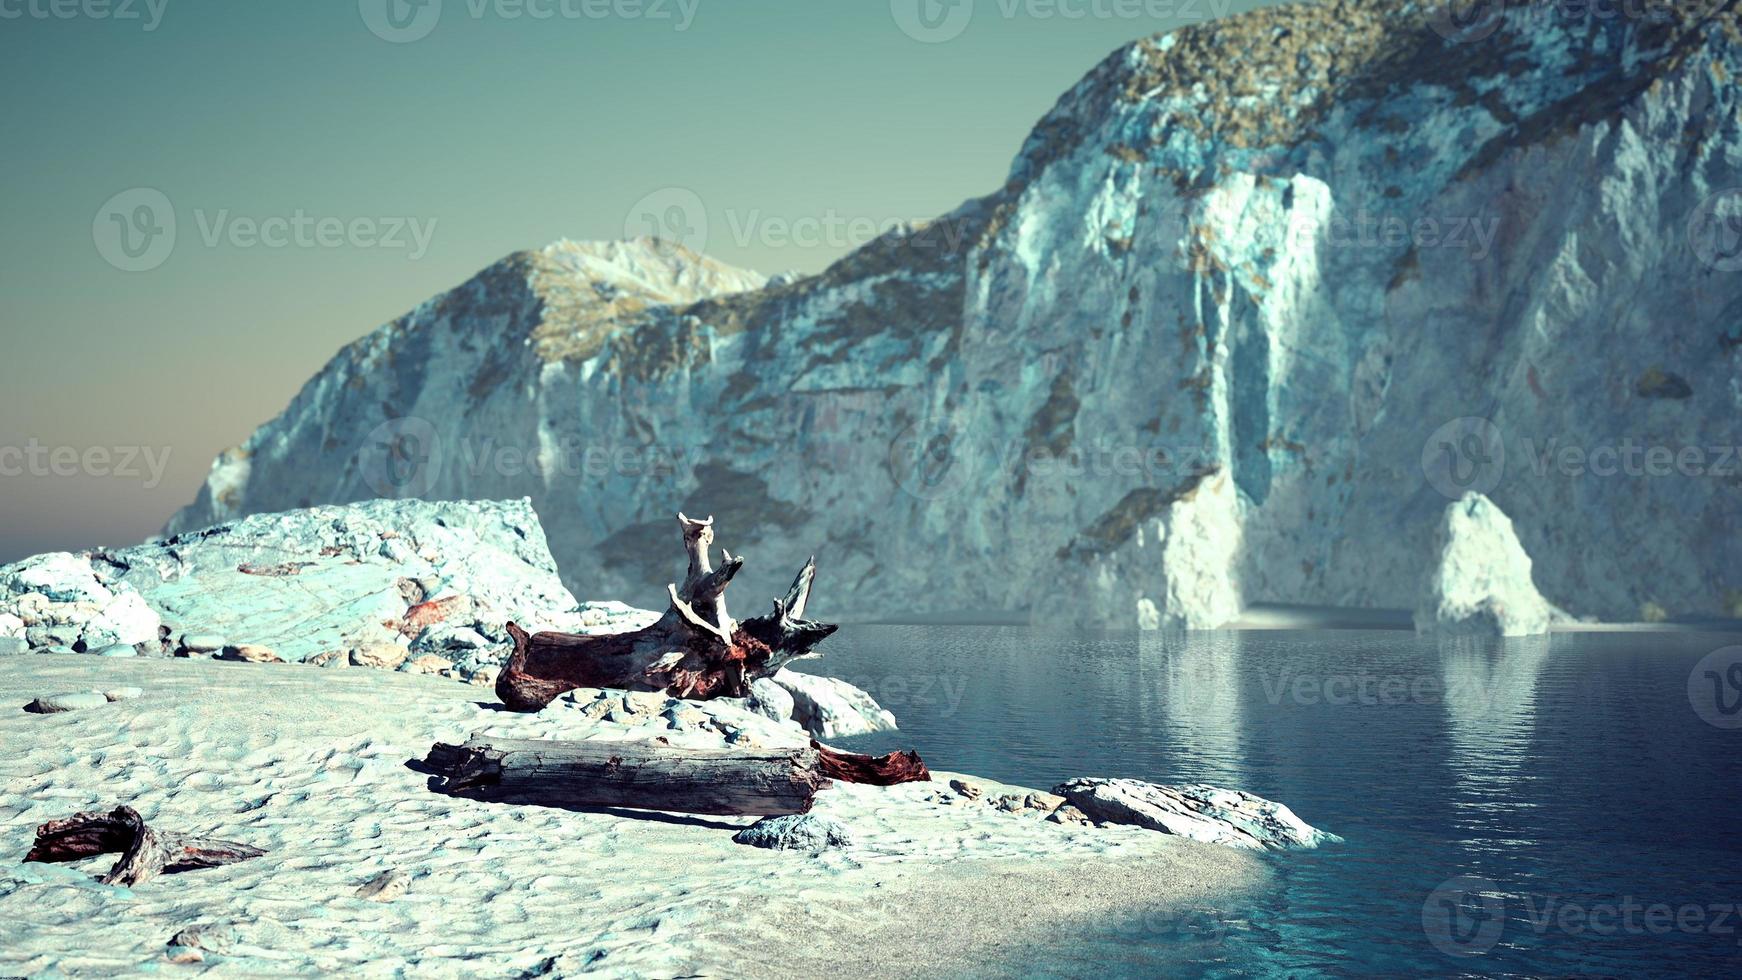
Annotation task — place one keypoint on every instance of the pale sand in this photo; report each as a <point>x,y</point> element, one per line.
<point>310,764</point>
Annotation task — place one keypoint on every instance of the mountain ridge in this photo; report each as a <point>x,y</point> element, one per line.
<point>1163,371</point>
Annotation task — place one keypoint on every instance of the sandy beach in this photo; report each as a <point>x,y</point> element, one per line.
<point>311,765</point>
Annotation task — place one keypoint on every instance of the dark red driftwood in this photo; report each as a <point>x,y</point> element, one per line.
<point>696,650</point>
<point>145,853</point>
<point>872,770</point>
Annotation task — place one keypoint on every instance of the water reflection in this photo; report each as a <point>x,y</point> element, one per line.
<point>1566,771</point>
<point>1194,705</point>
<point>1489,690</point>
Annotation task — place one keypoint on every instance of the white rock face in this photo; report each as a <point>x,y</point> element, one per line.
<point>1482,584</point>
<point>1279,285</point>
<point>1202,813</point>
<point>831,708</point>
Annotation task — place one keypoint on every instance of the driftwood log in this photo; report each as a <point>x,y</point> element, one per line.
<point>145,853</point>
<point>636,775</point>
<point>696,650</point>
<point>654,776</point>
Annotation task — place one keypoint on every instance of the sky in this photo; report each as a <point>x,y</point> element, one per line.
<point>205,199</point>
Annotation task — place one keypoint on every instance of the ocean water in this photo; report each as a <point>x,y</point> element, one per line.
<point>1567,805</point>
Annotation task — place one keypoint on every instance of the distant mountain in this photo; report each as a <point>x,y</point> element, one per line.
<point>1258,300</point>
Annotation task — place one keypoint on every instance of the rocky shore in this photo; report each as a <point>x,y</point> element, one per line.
<point>273,683</point>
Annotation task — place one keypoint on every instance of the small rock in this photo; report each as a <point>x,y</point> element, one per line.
<point>395,550</point>
<point>967,789</point>
<point>123,693</point>
<point>57,650</point>
<point>428,664</point>
<point>385,887</point>
<point>1069,815</point>
<point>52,636</point>
<point>384,656</point>
<point>57,703</point>
<point>796,832</point>
<point>251,653</point>
<point>12,646</point>
<point>118,650</point>
<point>207,643</point>
<point>11,625</point>
<point>330,658</point>
<point>214,937</point>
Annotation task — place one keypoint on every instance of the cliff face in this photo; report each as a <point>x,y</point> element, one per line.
<point>1258,300</point>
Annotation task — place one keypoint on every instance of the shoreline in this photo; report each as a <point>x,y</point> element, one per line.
<point>311,765</point>
<point>1270,617</point>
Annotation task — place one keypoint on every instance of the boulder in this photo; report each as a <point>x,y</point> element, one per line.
<point>830,708</point>
<point>768,699</point>
<point>1480,581</point>
<point>63,599</point>
<point>204,643</point>
<point>795,832</point>
<point>1202,813</point>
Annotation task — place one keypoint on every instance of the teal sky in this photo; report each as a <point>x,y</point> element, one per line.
<point>494,131</point>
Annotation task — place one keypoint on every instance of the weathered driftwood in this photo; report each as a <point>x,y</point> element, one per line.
<point>655,776</point>
<point>145,853</point>
<point>636,775</point>
<point>696,650</point>
<point>872,770</point>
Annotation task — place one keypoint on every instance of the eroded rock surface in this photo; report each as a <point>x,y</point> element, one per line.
<point>1202,813</point>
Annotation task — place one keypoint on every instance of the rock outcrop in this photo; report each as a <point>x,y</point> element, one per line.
<point>390,584</point>
<point>361,581</point>
<point>1481,584</point>
<point>1222,336</point>
<point>1202,813</point>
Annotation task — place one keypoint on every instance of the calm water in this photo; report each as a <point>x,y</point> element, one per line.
<point>1549,807</point>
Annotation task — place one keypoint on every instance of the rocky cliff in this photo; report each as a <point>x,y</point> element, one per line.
<point>1257,301</point>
